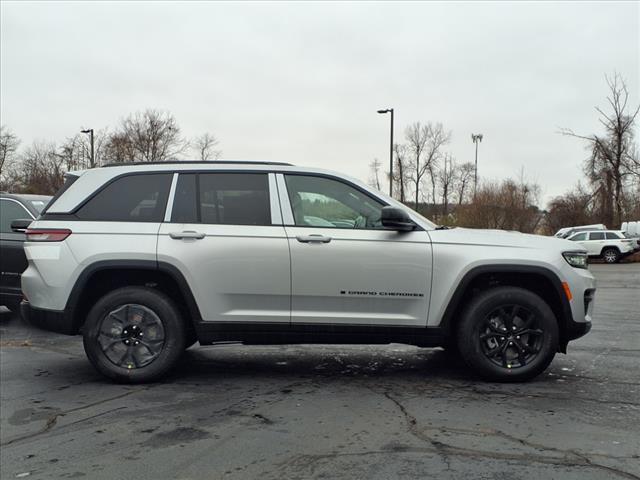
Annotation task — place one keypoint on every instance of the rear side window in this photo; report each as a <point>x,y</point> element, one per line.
<point>579,237</point>
<point>10,211</point>
<point>596,236</point>
<point>134,198</point>
<point>222,198</point>
<point>612,236</point>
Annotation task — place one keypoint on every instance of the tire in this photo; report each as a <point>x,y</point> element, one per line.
<point>610,255</point>
<point>134,335</point>
<point>490,351</point>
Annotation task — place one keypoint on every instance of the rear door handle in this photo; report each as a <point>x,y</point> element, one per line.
<point>313,238</point>
<point>187,234</point>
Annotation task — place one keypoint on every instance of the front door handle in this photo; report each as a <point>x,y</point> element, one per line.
<point>313,238</point>
<point>187,234</point>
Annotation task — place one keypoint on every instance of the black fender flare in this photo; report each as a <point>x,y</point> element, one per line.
<point>150,265</point>
<point>565,322</point>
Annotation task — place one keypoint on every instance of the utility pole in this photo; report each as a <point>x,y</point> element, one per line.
<point>390,110</point>
<point>92,158</point>
<point>476,138</point>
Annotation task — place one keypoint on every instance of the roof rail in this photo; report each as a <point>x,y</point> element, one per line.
<point>198,162</point>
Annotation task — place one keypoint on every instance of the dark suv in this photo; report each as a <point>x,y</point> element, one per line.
<point>12,258</point>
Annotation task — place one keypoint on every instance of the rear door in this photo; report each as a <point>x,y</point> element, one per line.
<point>345,267</point>
<point>224,233</point>
<point>596,243</point>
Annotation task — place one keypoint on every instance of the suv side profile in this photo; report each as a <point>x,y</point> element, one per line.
<point>146,259</point>
<point>610,245</point>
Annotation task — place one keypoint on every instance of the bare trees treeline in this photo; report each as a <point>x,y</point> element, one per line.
<point>148,136</point>
<point>611,194</point>
<point>428,178</point>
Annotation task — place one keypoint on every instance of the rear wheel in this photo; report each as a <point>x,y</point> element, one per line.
<point>134,335</point>
<point>508,334</point>
<point>610,255</point>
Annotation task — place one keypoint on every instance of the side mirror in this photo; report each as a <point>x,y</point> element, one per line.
<point>396,219</point>
<point>20,225</point>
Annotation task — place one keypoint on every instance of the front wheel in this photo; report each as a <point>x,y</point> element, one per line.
<point>508,334</point>
<point>134,335</point>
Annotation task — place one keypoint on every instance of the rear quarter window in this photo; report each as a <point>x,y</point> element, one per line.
<point>133,198</point>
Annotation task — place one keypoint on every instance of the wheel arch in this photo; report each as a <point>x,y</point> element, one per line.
<point>101,277</point>
<point>540,280</point>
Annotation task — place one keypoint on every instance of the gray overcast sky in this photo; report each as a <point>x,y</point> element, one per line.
<point>300,82</point>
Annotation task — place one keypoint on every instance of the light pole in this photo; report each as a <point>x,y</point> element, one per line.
<point>90,132</point>
<point>390,110</point>
<point>476,138</point>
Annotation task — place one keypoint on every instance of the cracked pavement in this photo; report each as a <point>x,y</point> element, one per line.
<point>339,412</point>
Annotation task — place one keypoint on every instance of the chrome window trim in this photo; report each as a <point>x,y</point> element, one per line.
<point>172,194</point>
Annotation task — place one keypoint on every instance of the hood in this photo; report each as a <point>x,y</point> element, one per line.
<point>501,238</point>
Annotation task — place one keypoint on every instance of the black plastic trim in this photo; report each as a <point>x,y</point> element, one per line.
<point>198,162</point>
<point>51,320</point>
<point>567,323</point>
<point>150,265</point>
<point>267,333</point>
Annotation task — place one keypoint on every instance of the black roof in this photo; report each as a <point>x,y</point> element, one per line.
<point>198,162</point>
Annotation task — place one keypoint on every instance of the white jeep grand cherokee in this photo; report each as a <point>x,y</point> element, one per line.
<point>146,259</point>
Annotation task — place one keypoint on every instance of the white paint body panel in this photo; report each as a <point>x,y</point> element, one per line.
<point>236,272</point>
<point>353,278</point>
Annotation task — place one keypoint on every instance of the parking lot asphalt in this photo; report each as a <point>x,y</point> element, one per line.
<point>343,412</point>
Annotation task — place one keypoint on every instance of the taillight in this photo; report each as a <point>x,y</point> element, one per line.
<point>47,234</point>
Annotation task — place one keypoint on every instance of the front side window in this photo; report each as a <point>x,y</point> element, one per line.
<point>10,211</point>
<point>134,198</point>
<point>579,237</point>
<point>222,198</point>
<point>596,236</point>
<point>324,202</point>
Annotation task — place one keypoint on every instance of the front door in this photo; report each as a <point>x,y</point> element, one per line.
<point>225,235</point>
<point>345,267</point>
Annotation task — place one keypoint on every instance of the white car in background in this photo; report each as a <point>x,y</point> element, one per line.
<point>610,245</point>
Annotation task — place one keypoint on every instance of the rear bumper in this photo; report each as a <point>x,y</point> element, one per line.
<point>52,320</point>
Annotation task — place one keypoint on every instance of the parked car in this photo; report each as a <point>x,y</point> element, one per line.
<point>568,231</point>
<point>12,259</point>
<point>145,259</point>
<point>610,245</point>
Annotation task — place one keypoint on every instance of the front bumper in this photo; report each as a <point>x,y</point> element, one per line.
<point>52,320</point>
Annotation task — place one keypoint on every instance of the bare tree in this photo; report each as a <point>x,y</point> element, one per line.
<point>573,208</point>
<point>374,178</point>
<point>613,155</point>
<point>149,136</point>
<point>76,150</point>
<point>205,146</point>
<point>509,205</point>
<point>41,169</point>
<point>463,180</point>
<point>400,171</point>
<point>446,178</point>
<point>424,143</point>
<point>9,143</point>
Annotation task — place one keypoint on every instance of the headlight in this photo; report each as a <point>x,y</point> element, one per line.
<point>576,259</point>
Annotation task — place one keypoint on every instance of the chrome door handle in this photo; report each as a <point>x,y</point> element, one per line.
<point>187,234</point>
<point>313,238</point>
